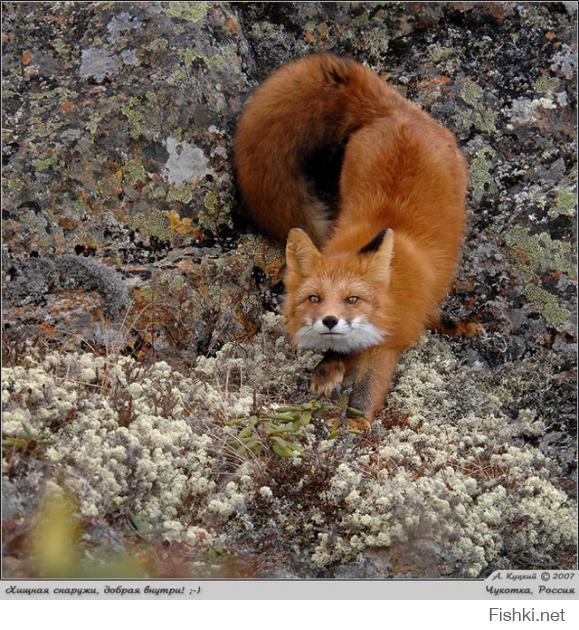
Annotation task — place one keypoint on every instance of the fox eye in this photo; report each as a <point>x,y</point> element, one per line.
<point>315,299</point>
<point>352,299</point>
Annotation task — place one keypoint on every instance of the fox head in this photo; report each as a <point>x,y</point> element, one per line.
<point>337,302</point>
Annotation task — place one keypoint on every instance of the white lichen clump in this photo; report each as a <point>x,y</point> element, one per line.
<point>451,491</point>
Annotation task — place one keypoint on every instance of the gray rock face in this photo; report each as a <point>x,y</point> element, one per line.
<point>185,163</point>
<point>97,63</point>
<point>119,197</point>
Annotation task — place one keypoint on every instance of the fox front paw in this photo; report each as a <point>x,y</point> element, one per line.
<point>327,378</point>
<point>356,420</point>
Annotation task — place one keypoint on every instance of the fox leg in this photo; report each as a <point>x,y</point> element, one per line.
<point>330,372</point>
<point>447,326</point>
<point>374,372</point>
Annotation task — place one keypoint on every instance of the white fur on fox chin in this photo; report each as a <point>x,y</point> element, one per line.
<point>355,336</point>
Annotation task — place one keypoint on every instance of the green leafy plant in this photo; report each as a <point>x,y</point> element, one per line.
<point>279,428</point>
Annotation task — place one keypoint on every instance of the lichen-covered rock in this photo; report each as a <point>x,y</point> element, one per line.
<point>123,243</point>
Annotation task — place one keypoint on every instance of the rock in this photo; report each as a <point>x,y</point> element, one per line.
<point>121,220</point>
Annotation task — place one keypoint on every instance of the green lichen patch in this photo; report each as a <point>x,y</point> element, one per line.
<point>134,172</point>
<point>540,252</point>
<point>160,43</point>
<point>441,53</point>
<point>546,85</point>
<point>481,169</point>
<point>217,62</point>
<point>191,11</point>
<point>154,223</point>
<point>536,255</point>
<point>316,32</point>
<point>214,213</point>
<point>188,56</point>
<point>565,203</point>
<point>183,193</point>
<point>548,306</point>
<point>376,42</point>
<point>483,117</point>
<point>471,93</point>
<point>132,110</point>
<point>45,164</point>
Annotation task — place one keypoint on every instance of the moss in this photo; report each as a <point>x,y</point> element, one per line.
<point>192,11</point>
<point>546,304</point>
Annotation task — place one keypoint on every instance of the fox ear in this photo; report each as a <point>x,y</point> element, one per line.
<point>375,243</point>
<point>381,249</point>
<point>300,252</point>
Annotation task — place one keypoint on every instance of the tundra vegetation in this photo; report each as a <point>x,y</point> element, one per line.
<point>156,421</point>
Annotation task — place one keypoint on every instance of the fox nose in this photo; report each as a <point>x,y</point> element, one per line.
<point>329,321</point>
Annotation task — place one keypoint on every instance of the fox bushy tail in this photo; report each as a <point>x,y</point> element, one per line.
<point>305,106</point>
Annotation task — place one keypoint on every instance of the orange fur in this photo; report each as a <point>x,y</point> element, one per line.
<point>401,172</point>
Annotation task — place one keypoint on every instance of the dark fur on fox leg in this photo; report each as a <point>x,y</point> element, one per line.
<point>358,402</point>
<point>375,369</point>
<point>329,374</point>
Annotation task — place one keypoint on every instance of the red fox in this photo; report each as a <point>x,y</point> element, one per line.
<point>364,287</point>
